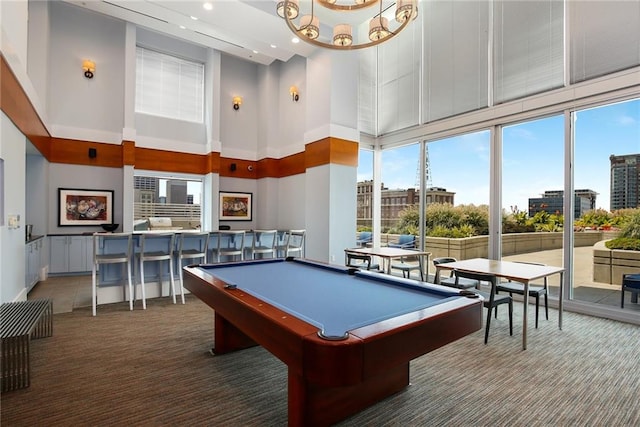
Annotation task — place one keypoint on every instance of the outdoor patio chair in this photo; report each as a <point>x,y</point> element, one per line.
<point>364,238</point>
<point>630,283</point>
<point>405,241</point>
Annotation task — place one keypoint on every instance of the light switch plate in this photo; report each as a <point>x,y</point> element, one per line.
<point>13,221</point>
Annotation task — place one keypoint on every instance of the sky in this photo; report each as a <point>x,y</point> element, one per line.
<point>533,158</point>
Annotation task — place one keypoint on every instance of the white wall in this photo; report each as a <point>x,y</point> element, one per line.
<point>12,241</point>
<point>38,50</point>
<point>239,128</point>
<point>82,108</point>
<point>37,196</point>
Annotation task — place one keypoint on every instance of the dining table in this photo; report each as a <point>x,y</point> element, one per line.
<point>388,254</point>
<point>514,271</point>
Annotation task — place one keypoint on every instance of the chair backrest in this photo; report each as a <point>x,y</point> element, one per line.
<point>438,261</point>
<point>405,241</point>
<point>365,236</point>
<point>118,243</point>
<point>194,243</point>
<point>231,241</point>
<point>366,260</point>
<point>480,277</point>
<point>295,242</point>
<point>265,239</point>
<point>156,243</point>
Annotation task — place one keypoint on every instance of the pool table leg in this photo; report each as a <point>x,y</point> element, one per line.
<point>317,405</point>
<point>228,338</point>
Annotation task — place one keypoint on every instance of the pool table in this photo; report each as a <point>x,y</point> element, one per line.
<point>346,336</point>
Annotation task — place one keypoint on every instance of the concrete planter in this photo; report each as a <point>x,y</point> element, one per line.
<point>610,264</point>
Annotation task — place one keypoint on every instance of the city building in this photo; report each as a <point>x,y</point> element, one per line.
<point>553,202</point>
<point>394,201</point>
<point>625,181</point>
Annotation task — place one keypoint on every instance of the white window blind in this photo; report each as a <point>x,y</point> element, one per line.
<point>456,57</point>
<point>605,37</point>
<point>168,86</point>
<point>528,48</point>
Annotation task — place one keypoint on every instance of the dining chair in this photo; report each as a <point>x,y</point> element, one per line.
<point>111,248</point>
<point>230,244</point>
<point>535,291</point>
<point>360,261</point>
<point>451,281</point>
<point>191,246</point>
<point>156,247</point>
<point>262,244</point>
<point>407,268</point>
<point>491,299</point>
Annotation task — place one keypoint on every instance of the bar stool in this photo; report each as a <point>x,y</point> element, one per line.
<point>156,247</point>
<point>292,244</point>
<point>263,243</point>
<point>231,244</point>
<point>111,248</point>
<point>191,246</point>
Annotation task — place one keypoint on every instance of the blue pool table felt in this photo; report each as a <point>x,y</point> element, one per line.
<point>328,297</point>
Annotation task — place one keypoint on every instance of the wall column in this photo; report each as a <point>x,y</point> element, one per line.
<point>331,154</point>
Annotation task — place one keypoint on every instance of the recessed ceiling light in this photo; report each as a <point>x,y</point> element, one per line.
<point>255,51</point>
<point>208,6</point>
<point>195,18</point>
<point>182,27</point>
<point>295,40</point>
<point>273,46</point>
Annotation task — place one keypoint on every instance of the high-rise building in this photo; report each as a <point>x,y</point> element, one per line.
<point>625,181</point>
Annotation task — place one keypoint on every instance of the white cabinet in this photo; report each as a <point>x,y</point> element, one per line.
<point>33,254</point>
<point>70,254</point>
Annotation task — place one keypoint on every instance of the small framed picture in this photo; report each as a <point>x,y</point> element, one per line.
<point>84,207</point>
<point>235,206</point>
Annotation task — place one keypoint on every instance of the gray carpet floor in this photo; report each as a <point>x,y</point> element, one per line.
<point>153,368</point>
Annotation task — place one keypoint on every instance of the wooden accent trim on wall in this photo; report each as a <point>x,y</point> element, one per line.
<point>76,152</point>
<point>17,106</point>
<point>170,161</point>
<point>331,150</point>
<point>291,165</point>
<point>241,169</point>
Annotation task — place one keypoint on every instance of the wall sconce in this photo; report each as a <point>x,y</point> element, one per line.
<point>294,93</point>
<point>237,102</point>
<point>89,68</point>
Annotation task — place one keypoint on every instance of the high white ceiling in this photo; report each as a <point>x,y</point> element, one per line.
<point>249,29</point>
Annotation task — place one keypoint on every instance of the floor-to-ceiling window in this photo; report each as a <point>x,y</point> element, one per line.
<point>399,199</point>
<point>532,192</point>
<point>364,218</point>
<point>607,185</point>
<point>457,195</point>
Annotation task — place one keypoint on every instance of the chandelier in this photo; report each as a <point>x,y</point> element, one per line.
<point>336,12</point>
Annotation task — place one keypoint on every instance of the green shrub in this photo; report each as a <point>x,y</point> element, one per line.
<point>631,227</point>
<point>625,243</point>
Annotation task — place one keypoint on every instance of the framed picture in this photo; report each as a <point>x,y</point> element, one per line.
<point>84,207</point>
<point>235,206</point>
